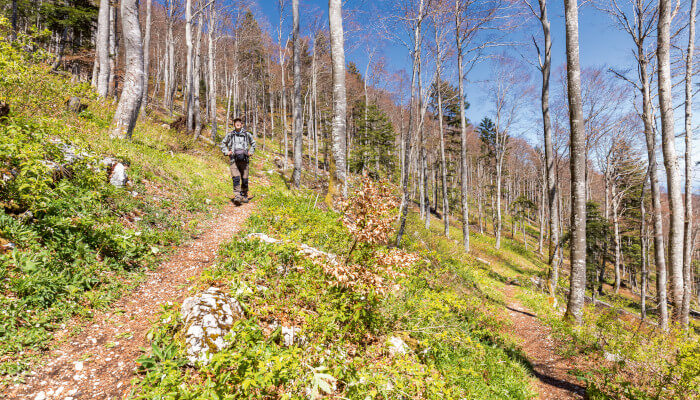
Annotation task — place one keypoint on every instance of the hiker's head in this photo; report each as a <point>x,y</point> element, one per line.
<point>238,124</point>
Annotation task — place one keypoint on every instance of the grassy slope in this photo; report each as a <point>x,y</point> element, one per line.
<point>78,242</point>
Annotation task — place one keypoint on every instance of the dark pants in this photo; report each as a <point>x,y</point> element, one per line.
<point>239,174</point>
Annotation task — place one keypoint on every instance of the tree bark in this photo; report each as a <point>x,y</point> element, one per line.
<point>146,55</point>
<point>335,19</point>
<point>463,129</point>
<point>443,163</point>
<point>102,48</point>
<point>675,252</point>
<point>577,287</point>
<point>212,71</point>
<point>296,112</point>
<point>413,110</point>
<point>689,164</point>
<point>549,156</point>
<point>132,93</point>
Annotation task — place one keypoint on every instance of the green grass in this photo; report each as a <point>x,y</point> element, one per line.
<point>72,243</point>
<point>446,308</point>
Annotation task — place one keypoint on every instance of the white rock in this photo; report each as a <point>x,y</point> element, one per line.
<point>397,346</point>
<point>208,318</point>
<point>78,365</point>
<point>612,357</point>
<point>289,335</point>
<point>119,176</point>
<point>40,396</point>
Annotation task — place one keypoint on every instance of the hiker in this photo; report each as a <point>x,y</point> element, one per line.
<point>239,145</point>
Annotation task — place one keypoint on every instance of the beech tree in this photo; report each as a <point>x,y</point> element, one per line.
<point>689,164</point>
<point>337,169</point>
<point>296,117</point>
<point>132,93</point>
<point>577,286</point>
<point>544,56</point>
<point>102,49</point>
<point>639,25</point>
<point>676,209</point>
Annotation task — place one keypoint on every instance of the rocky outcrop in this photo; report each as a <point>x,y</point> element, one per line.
<point>208,318</point>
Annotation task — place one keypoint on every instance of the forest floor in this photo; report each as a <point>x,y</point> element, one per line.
<point>550,370</point>
<point>99,362</point>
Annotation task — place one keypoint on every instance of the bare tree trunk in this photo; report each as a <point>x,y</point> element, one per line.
<point>549,156</point>
<point>335,19</point>
<point>689,164</point>
<point>413,110</point>
<point>14,20</point>
<point>196,78</point>
<point>146,55</point>
<point>616,237</point>
<point>314,102</point>
<point>443,163</point>
<point>463,130</point>
<point>212,71</point>
<point>189,95</point>
<point>675,255</point>
<point>577,150</point>
<point>132,93</point>
<point>296,112</point>
<point>113,49</point>
<point>102,48</point>
<point>645,250</point>
<point>657,224</point>
<point>169,89</point>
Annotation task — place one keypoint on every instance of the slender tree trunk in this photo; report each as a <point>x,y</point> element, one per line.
<point>657,224</point>
<point>443,163</point>
<point>298,123</point>
<point>14,20</point>
<point>413,110</point>
<point>689,164</point>
<point>212,72</point>
<point>577,150</point>
<point>146,55</point>
<point>335,18</point>
<point>132,93</point>
<point>189,95</point>
<point>675,255</point>
<point>196,78</point>
<point>102,48</point>
<point>463,130</point>
<point>549,155</point>
<point>616,237</point>
<point>113,49</point>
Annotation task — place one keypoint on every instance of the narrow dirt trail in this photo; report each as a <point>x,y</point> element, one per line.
<point>98,363</point>
<point>552,380</point>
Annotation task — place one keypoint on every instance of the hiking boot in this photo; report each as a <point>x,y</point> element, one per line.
<point>237,200</point>
<point>244,198</point>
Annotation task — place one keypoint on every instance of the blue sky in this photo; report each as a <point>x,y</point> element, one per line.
<point>601,44</point>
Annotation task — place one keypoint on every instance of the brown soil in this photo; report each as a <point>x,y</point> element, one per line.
<point>550,370</point>
<point>99,362</point>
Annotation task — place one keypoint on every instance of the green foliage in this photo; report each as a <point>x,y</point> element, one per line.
<point>71,242</point>
<point>374,141</point>
<point>456,350</point>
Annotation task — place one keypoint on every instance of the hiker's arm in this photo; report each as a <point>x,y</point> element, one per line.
<point>251,140</point>
<point>224,144</point>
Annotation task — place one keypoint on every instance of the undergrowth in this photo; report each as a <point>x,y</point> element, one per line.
<point>71,243</point>
<point>456,346</point>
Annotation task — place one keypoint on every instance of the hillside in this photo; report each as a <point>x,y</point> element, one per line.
<point>323,308</point>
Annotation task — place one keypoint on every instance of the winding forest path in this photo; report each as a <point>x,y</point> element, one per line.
<point>553,382</point>
<point>98,363</point>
